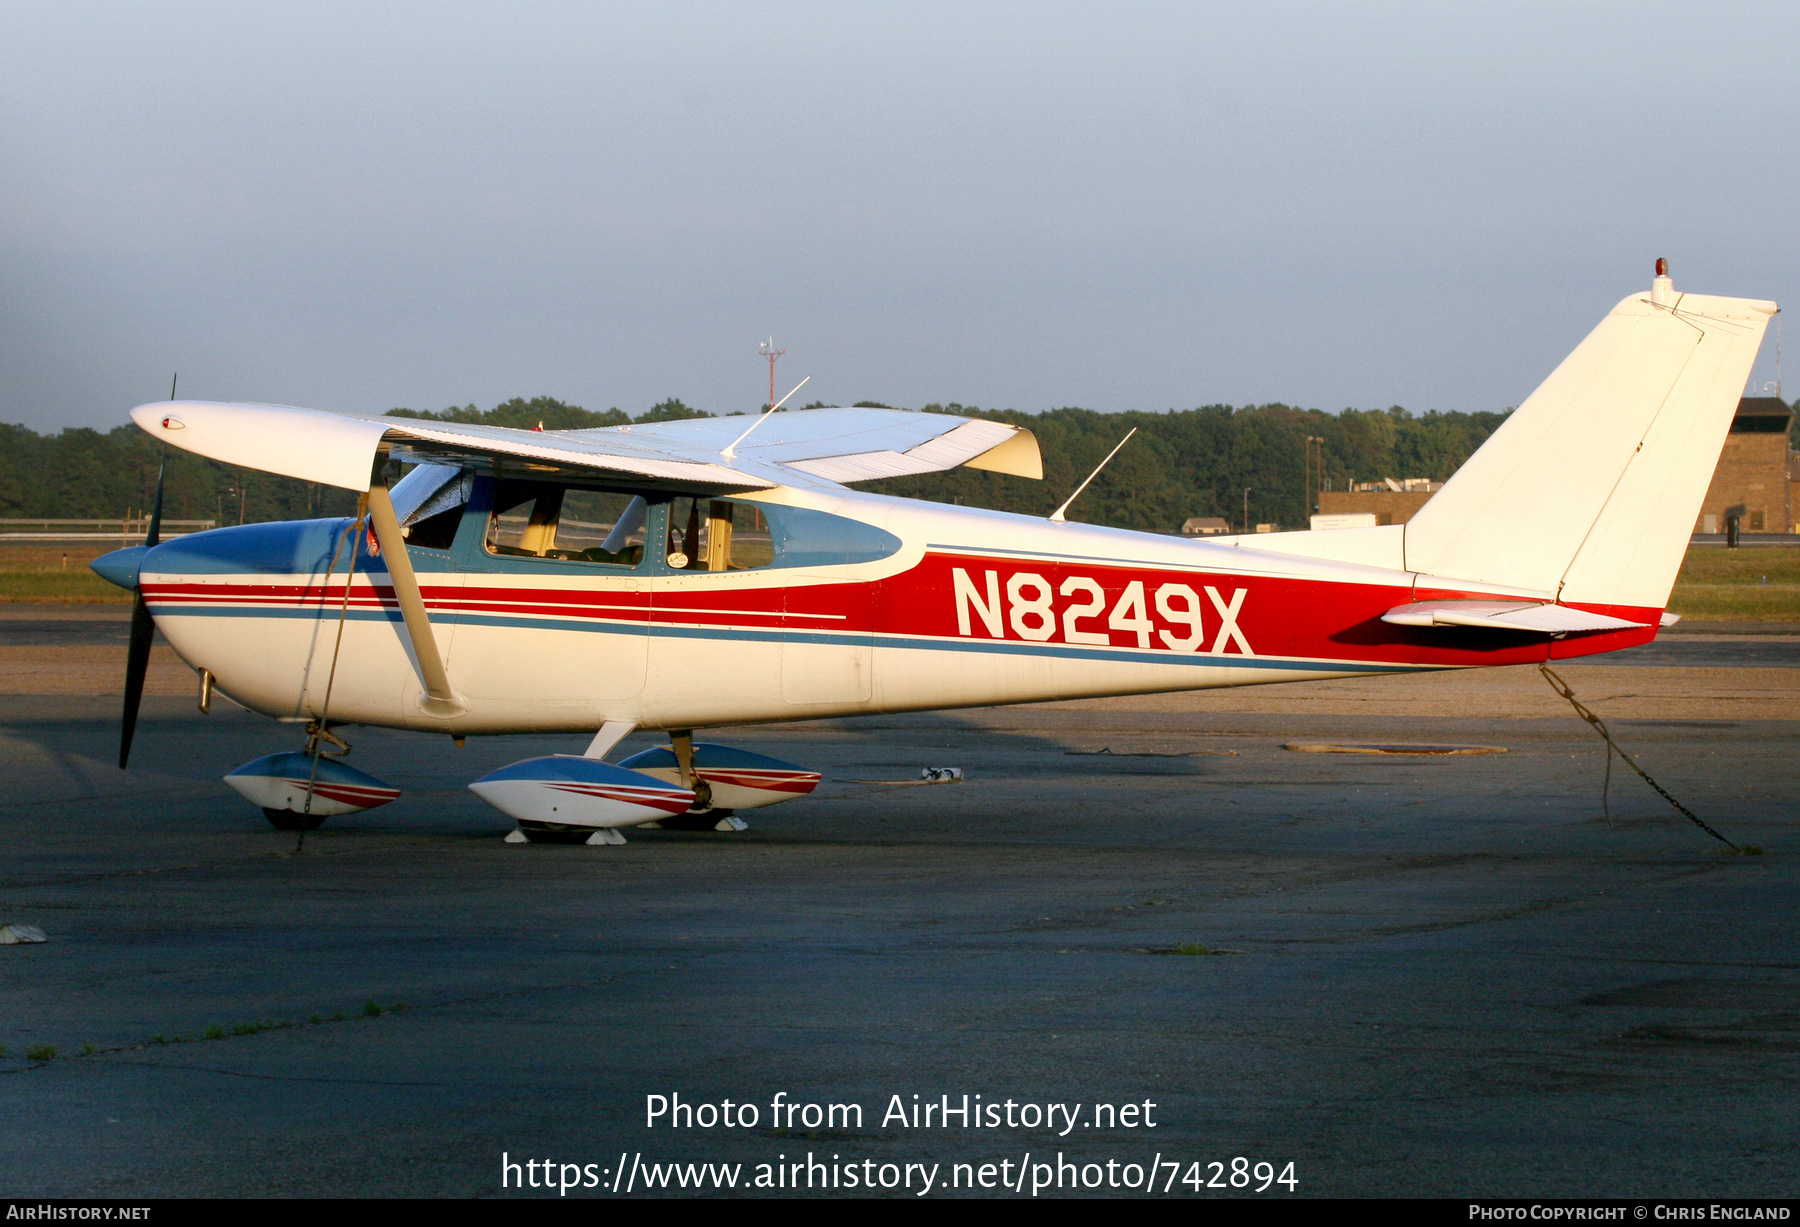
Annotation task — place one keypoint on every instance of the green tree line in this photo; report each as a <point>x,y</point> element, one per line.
<point>83,474</point>
<point>1181,463</point>
<point>1200,462</point>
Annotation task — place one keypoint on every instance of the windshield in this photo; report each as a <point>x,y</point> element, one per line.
<point>428,503</point>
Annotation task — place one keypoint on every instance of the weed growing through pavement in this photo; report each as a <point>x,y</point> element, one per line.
<point>371,1009</point>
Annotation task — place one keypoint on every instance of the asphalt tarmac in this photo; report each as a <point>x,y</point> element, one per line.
<point>1403,975</point>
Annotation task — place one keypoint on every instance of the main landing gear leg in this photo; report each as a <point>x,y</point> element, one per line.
<point>682,741</point>
<point>703,816</point>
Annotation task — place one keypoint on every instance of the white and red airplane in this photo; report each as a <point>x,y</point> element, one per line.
<point>678,576</point>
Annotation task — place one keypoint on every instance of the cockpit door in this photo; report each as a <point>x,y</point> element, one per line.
<point>554,607</point>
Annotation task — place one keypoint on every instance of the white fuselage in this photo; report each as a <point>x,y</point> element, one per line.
<point>965,608</point>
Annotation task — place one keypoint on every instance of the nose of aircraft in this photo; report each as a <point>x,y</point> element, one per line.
<point>121,566</point>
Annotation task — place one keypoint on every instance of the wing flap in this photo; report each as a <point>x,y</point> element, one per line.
<point>967,444</point>
<point>863,466</point>
<point>855,444</point>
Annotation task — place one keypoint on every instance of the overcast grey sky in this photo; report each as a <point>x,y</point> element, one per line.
<point>1112,205</point>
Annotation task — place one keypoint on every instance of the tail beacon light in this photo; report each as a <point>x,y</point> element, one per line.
<point>568,790</point>
<point>739,779</point>
<point>281,783</point>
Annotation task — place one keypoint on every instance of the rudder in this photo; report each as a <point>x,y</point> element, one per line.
<point>1589,490</point>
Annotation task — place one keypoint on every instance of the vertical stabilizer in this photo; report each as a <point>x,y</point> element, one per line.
<point>1590,489</point>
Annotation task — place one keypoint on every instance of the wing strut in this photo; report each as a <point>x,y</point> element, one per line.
<point>439,700</point>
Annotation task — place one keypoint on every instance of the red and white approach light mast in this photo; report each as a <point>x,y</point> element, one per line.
<point>767,349</point>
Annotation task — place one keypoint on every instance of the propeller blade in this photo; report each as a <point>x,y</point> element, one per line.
<point>137,664</point>
<point>143,633</point>
<point>155,532</point>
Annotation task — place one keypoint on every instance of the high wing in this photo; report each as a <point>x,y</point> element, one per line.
<point>809,447</point>
<point>843,445</point>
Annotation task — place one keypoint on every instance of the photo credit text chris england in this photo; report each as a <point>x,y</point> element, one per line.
<point>1022,1172</point>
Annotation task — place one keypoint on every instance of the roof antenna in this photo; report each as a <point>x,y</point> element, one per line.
<point>1056,517</point>
<point>730,452</point>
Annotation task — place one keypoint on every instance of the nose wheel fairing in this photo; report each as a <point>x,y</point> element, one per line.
<point>291,783</point>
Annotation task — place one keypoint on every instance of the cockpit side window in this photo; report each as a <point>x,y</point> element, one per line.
<point>531,519</point>
<point>522,524</point>
<point>717,535</point>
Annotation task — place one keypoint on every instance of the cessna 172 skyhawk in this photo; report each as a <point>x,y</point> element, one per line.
<point>677,577</point>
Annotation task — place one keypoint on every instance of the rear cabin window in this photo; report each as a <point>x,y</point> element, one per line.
<point>715,534</point>
<point>536,520</point>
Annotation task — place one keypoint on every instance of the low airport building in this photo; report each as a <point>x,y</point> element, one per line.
<point>1389,501</point>
<point>1752,481</point>
<point>1204,526</point>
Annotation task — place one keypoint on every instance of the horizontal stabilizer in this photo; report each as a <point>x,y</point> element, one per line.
<point>1530,616</point>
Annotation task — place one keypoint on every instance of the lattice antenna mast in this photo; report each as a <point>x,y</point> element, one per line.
<point>767,349</point>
